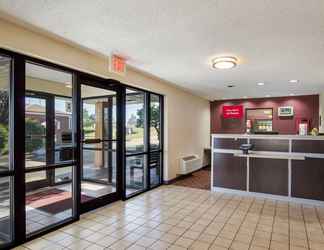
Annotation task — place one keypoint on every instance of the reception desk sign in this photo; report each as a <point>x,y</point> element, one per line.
<point>286,111</point>
<point>232,111</point>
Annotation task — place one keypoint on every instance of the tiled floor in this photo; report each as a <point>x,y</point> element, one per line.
<point>173,217</point>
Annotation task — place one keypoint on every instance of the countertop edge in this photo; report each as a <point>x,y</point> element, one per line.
<point>281,137</point>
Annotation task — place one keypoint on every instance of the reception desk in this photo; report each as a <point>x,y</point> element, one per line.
<point>285,166</point>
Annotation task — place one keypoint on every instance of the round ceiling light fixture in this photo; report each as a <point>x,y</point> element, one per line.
<point>226,62</point>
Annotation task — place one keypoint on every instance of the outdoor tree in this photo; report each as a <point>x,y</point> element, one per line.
<point>88,120</point>
<point>4,115</point>
<point>88,123</point>
<point>34,128</point>
<point>4,107</point>
<point>155,119</point>
<point>3,139</point>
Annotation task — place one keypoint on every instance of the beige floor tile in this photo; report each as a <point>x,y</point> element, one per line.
<point>261,242</point>
<point>236,245</point>
<point>164,227</point>
<point>132,237</point>
<point>316,246</point>
<point>199,245</point>
<point>95,247</point>
<point>79,245</point>
<point>177,230</point>
<point>215,247</point>
<point>191,234</point>
<point>227,234</point>
<point>95,237</point>
<point>252,247</point>
<point>280,238</point>
<point>223,242</point>
<point>145,241</point>
<point>155,234</point>
<point>297,248</point>
<point>170,238</point>
<point>176,217</point>
<point>106,241</point>
<point>68,241</point>
<point>208,238</point>
<point>38,244</point>
<point>56,236</point>
<point>175,247</point>
<point>160,245</point>
<point>299,242</point>
<point>279,246</point>
<point>120,245</point>
<point>184,242</point>
<point>244,238</point>
<point>136,247</point>
<point>185,224</point>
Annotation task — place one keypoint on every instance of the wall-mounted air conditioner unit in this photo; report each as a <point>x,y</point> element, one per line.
<point>190,164</point>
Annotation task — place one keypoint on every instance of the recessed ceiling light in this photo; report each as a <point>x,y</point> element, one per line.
<point>260,83</point>
<point>245,97</point>
<point>226,62</point>
<point>292,94</point>
<point>293,81</point>
<point>268,95</point>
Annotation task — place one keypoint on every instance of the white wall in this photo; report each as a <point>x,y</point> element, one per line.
<point>187,117</point>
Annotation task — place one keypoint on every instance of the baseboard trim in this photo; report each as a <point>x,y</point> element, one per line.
<point>269,196</point>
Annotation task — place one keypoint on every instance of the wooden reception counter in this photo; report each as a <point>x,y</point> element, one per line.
<point>290,166</point>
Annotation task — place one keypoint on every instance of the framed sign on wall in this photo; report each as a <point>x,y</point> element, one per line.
<point>232,111</point>
<point>286,111</point>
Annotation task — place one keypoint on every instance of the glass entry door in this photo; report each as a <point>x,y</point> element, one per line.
<point>36,141</point>
<point>49,148</point>
<point>99,145</point>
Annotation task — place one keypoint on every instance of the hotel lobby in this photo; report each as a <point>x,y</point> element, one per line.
<point>162,125</point>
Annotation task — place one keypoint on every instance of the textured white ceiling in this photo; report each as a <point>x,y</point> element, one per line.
<point>275,40</point>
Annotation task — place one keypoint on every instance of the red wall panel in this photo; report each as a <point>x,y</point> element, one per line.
<point>305,107</point>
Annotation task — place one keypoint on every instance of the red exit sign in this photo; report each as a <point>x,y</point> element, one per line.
<point>232,111</point>
<point>117,64</point>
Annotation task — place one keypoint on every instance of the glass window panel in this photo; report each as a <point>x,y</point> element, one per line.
<point>99,170</point>
<point>135,174</point>
<point>155,168</point>
<point>63,174</point>
<point>135,122</point>
<point>98,152</point>
<point>35,131</point>
<point>110,119</point>
<point>48,114</point>
<point>5,211</point>
<point>48,100</point>
<point>36,176</point>
<point>47,80</point>
<point>89,120</point>
<point>5,64</point>
<point>47,204</point>
<point>155,122</point>
<point>63,129</point>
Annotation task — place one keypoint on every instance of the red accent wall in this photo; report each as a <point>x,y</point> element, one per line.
<point>305,107</point>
